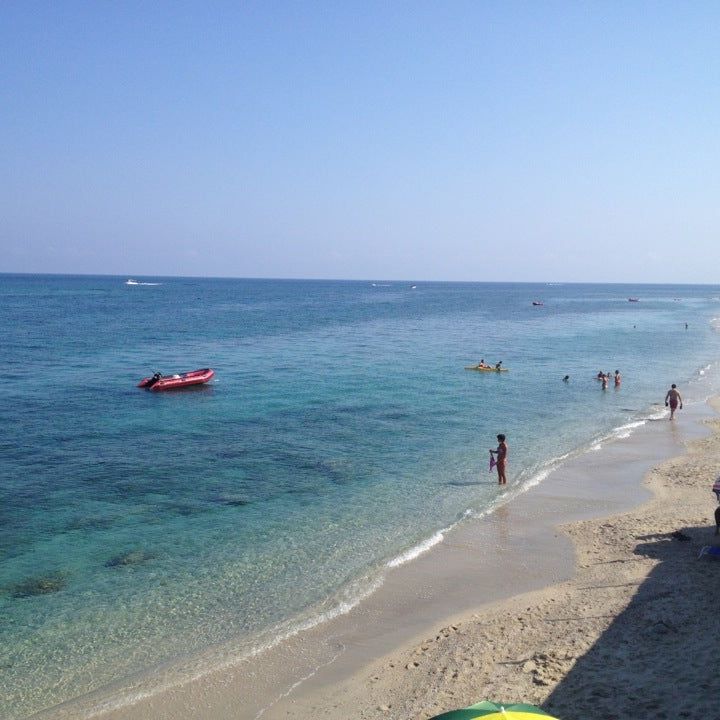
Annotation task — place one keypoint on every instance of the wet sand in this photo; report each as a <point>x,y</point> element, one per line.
<point>633,632</point>
<point>567,593</point>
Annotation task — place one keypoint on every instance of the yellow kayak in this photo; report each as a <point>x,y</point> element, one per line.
<point>485,369</point>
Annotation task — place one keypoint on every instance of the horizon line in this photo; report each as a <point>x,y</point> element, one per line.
<point>350,280</point>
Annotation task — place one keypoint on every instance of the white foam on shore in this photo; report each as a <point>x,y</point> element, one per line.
<point>518,487</point>
<point>417,550</point>
<point>625,431</point>
<point>223,658</point>
<point>351,596</point>
<point>299,682</point>
<point>538,477</point>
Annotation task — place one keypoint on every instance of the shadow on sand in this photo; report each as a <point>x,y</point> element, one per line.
<point>658,658</point>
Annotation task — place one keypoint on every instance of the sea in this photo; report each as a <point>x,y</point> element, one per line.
<point>341,437</point>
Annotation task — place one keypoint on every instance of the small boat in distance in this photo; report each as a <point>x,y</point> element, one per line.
<point>135,282</point>
<point>633,299</point>
<point>175,382</point>
<point>538,302</point>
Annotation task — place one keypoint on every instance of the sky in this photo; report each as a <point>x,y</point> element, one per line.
<point>474,141</point>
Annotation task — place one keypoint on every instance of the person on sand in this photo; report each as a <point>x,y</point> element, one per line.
<point>716,490</point>
<point>618,378</point>
<point>673,400</point>
<point>501,459</point>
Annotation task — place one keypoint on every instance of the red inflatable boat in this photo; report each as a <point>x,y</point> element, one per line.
<point>173,382</point>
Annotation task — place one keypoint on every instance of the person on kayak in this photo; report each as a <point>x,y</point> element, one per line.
<point>498,365</point>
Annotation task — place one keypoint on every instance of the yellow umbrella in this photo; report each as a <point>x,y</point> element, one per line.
<point>496,711</point>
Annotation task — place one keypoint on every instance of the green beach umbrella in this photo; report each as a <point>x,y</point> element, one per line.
<point>496,711</point>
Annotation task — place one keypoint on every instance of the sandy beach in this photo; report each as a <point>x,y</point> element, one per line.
<point>607,607</point>
<point>382,241</point>
<point>633,633</point>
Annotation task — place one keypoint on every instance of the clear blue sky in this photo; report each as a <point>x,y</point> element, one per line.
<point>550,141</point>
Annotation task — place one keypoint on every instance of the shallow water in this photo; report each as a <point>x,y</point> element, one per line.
<point>341,434</point>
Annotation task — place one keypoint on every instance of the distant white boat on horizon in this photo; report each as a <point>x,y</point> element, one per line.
<point>130,281</point>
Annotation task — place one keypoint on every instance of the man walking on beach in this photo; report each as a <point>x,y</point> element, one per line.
<point>673,399</point>
<point>501,459</point>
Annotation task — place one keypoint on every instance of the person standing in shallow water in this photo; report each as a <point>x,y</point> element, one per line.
<point>618,378</point>
<point>501,459</point>
<point>672,400</point>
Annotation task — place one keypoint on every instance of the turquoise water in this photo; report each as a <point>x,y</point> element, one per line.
<point>341,434</point>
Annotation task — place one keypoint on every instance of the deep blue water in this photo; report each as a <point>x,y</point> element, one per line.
<point>340,433</point>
